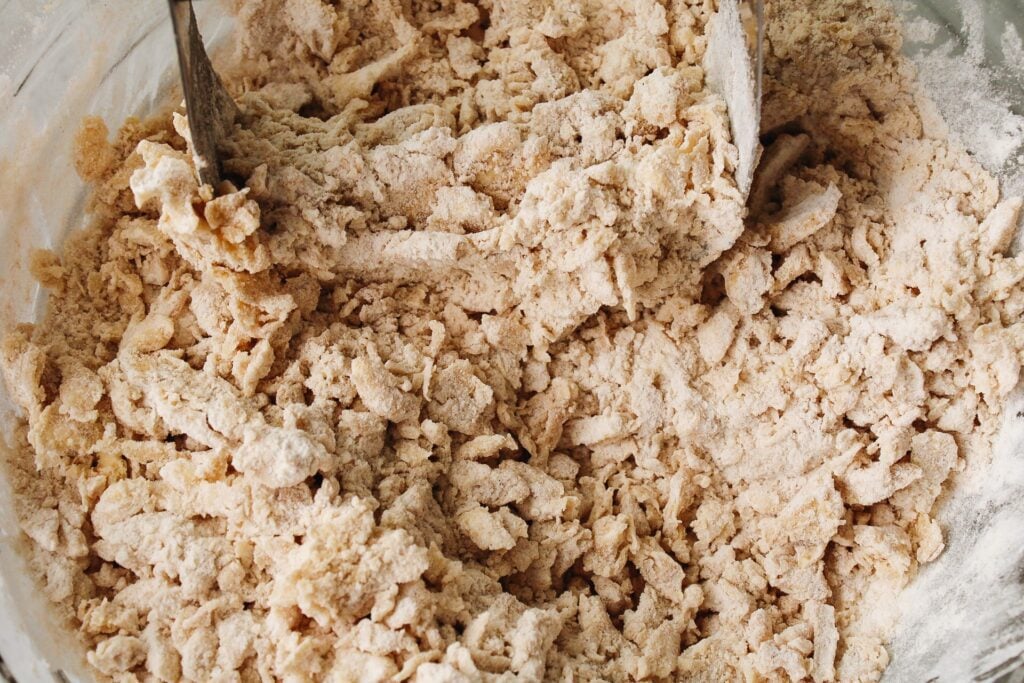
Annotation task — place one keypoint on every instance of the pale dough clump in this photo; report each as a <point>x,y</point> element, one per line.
<point>483,377</point>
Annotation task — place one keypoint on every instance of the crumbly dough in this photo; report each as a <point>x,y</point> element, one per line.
<point>484,376</point>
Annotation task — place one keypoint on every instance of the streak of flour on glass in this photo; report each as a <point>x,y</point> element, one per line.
<point>968,54</point>
<point>963,618</point>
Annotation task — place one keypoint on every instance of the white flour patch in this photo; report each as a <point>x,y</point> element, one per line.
<point>974,632</point>
<point>974,91</point>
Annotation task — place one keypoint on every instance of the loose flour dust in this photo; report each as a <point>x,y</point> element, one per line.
<point>483,376</point>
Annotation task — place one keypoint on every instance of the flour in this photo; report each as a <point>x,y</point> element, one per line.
<point>479,369</point>
<point>920,30</point>
<point>954,84</point>
<point>974,632</point>
<point>975,98</point>
<point>1012,45</point>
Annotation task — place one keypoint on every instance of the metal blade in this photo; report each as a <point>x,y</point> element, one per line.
<point>211,110</point>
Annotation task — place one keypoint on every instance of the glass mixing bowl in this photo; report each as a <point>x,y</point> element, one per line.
<point>62,59</point>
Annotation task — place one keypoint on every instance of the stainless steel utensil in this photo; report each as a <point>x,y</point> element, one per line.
<point>734,71</point>
<point>211,110</point>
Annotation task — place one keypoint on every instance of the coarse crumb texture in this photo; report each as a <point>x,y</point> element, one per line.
<point>483,376</point>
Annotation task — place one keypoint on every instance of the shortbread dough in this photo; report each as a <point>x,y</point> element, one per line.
<point>486,374</point>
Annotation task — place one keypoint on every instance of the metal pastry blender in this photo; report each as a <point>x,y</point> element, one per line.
<point>211,110</point>
<point>733,67</point>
